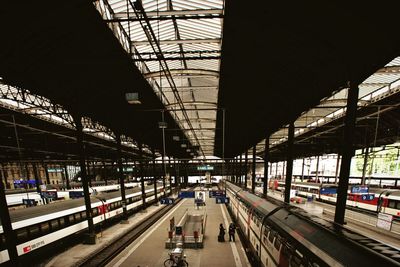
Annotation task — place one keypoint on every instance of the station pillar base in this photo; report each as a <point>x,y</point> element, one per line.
<point>89,239</point>
<point>124,221</point>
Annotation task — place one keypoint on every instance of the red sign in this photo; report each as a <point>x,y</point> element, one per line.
<point>27,249</point>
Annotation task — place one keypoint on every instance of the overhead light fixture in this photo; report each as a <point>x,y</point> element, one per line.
<point>188,150</point>
<point>183,145</point>
<point>132,98</point>
<point>176,138</point>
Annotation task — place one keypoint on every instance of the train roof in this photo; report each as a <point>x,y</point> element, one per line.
<point>32,212</point>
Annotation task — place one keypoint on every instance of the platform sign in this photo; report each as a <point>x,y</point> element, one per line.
<point>205,168</point>
<point>222,200</point>
<point>359,189</point>
<point>167,201</point>
<point>216,193</point>
<point>328,191</point>
<point>186,194</point>
<point>368,197</point>
<point>49,194</point>
<point>384,221</point>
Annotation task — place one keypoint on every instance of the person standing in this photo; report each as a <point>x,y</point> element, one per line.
<point>221,236</point>
<point>231,232</point>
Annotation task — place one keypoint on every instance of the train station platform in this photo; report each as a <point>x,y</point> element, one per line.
<point>149,249</point>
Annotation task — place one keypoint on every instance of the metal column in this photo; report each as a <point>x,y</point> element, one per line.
<point>66,176</point>
<point>154,175</point>
<point>364,170</point>
<point>302,170</point>
<point>46,171</point>
<point>337,168</point>
<point>9,234</point>
<point>36,175</point>
<point>164,173</point>
<point>246,160</point>
<point>317,170</point>
<point>266,160</point>
<point>240,170</point>
<point>141,162</point>
<point>253,171</point>
<point>347,152</point>
<point>121,180</point>
<point>90,237</point>
<point>289,164</point>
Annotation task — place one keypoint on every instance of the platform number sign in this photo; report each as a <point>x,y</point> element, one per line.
<point>367,197</point>
<point>166,201</point>
<point>222,200</point>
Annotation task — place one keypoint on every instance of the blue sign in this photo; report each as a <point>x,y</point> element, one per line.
<point>29,202</point>
<point>166,201</point>
<point>368,197</point>
<point>328,191</point>
<point>186,194</point>
<point>216,193</point>
<point>222,200</point>
<point>75,194</point>
<point>359,189</point>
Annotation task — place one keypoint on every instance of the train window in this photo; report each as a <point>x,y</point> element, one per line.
<point>392,204</point>
<point>277,243</point>
<point>22,235</point>
<point>45,228</point>
<point>295,261</point>
<point>2,242</point>
<point>271,236</point>
<point>95,212</point>
<point>34,231</point>
<point>83,215</point>
<point>54,225</point>
<point>61,222</point>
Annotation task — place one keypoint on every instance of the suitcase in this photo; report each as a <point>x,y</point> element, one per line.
<point>221,238</point>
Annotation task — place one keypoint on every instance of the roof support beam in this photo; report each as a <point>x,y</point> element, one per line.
<point>180,41</point>
<point>178,72</point>
<point>168,13</point>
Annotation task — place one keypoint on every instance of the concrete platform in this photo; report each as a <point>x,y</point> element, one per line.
<point>149,249</point>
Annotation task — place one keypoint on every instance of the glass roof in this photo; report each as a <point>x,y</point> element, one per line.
<point>176,44</point>
<point>383,83</point>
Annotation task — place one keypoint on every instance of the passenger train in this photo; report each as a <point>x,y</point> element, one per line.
<point>284,235</point>
<point>377,199</point>
<point>38,227</point>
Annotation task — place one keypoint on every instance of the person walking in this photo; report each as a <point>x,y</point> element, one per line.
<point>221,236</point>
<point>231,232</point>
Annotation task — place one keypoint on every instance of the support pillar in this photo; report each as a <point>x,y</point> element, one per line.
<point>141,162</point>
<point>347,152</point>
<point>186,178</point>
<point>36,175</point>
<point>66,176</point>
<point>9,234</point>
<point>240,170</point>
<point>253,171</point>
<point>276,170</point>
<point>317,170</point>
<point>121,180</point>
<point>266,160</point>
<point>364,170</point>
<point>154,175</point>
<point>164,173</point>
<point>46,171</point>
<point>289,165</point>
<point>246,160</point>
<point>302,170</point>
<point>90,237</point>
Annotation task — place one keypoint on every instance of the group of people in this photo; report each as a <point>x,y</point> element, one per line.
<point>231,232</point>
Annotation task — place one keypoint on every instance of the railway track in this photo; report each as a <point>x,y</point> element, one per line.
<point>104,255</point>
